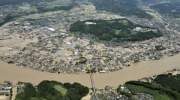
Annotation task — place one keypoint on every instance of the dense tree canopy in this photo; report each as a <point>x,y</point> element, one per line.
<point>52,90</point>
<point>118,29</point>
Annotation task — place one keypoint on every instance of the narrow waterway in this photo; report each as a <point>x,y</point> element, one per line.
<point>134,72</point>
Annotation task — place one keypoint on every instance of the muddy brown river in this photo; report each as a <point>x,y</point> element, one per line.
<point>134,72</point>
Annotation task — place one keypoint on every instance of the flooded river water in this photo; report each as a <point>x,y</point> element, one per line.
<point>134,72</point>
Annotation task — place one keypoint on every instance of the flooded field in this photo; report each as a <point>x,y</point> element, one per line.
<point>134,72</point>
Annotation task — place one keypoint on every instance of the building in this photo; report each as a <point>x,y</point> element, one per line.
<point>5,89</point>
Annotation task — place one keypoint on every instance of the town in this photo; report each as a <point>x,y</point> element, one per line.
<point>55,49</point>
<point>89,49</point>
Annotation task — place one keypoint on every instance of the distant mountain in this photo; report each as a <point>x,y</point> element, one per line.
<point>7,2</point>
<point>123,7</point>
<point>171,9</point>
<point>11,9</point>
<point>154,2</point>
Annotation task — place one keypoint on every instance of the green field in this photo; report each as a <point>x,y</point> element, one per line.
<point>61,89</point>
<point>158,95</point>
<point>163,87</point>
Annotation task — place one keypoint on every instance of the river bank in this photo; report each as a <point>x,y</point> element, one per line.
<point>137,71</point>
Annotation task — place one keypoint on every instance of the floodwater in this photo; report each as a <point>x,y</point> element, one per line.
<point>4,98</point>
<point>137,71</point>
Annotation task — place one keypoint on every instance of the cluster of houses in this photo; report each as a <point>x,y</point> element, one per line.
<point>5,90</point>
